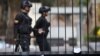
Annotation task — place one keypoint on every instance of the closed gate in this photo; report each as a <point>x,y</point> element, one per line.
<point>74,26</point>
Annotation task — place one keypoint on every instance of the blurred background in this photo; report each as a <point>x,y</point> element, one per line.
<point>75,24</point>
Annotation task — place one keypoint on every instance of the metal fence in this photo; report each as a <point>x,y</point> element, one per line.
<point>72,29</point>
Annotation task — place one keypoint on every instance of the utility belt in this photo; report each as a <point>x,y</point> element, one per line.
<point>24,33</point>
<point>43,34</point>
<point>24,36</point>
<point>25,29</point>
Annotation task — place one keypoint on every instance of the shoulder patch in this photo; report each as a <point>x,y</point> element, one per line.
<point>16,21</point>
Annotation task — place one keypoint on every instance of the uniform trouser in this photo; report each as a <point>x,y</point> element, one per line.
<point>24,42</point>
<point>43,43</point>
<point>17,45</point>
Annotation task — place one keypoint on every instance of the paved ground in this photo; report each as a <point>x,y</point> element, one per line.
<point>6,49</point>
<point>10,48</point>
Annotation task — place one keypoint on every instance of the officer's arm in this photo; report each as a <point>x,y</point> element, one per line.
<point>49,24</point>
<point>16,21</point>
<point>15,29</point>
<point>16,24</point>
<point>37,25</point>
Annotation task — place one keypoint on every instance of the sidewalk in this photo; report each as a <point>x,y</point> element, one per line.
<point>10,48</point>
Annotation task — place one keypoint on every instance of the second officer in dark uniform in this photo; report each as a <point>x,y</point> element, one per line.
<point>41,29</point>
<point>22,27</point>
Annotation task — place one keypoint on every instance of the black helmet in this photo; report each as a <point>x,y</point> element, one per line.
<point>25,3</point>
<point>44,9</point>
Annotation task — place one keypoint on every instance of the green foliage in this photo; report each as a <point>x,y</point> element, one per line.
<point>95,30</point>
<point>85,2</point>
<point>91,38</point>
<point>47,2</point>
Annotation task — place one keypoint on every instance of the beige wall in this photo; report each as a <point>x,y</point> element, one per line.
<point>61,18</point>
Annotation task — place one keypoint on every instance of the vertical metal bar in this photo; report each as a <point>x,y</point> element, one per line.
<point>50,31</point>
<point>65,29</point>
<point>72,24</point>
<point>35,12</point>
<point>43,36</point>
<point>95,26</point>
<point>13,28</point>
<point>58,22</point>
<point>12,44</point>
<point>81,20</point>
<point>87,29</point>
<point>27,53</point>
<point>6,35</point>
<point>35,22</point>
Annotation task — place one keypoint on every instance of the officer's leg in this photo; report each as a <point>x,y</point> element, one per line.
<point>46,45</point>
<point>25,47</point>
<point>25,42</point>
<point>17,46</point>
<point>43,44</point>
<point>39,41</point>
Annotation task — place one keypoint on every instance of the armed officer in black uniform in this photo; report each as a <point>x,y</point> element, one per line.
<point>22,27</point>
<point>41,29</point>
